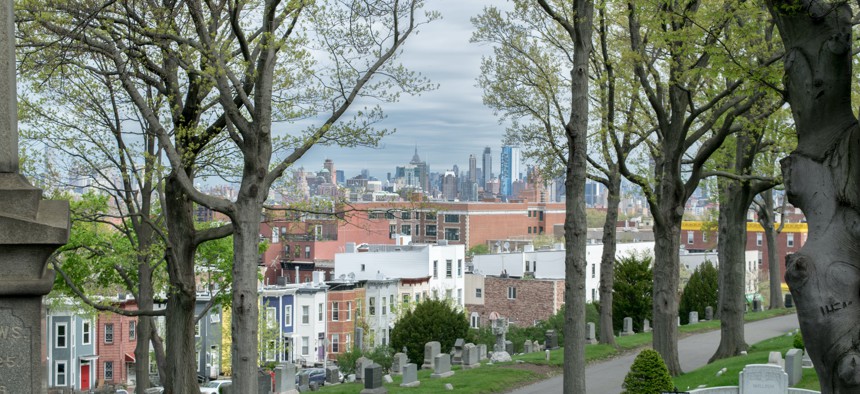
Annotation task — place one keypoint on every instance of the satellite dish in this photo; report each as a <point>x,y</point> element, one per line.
<point>342,277</point>
<point>351,276</point>
<point>507,246</point>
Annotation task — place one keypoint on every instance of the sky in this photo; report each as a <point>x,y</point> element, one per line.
<point>447,124</point>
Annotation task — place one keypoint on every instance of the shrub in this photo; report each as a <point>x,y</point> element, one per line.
<point>798,341</point>
<point>430,320</point>
<point>382,355</point>
<point>346,361</point>
<point>648,375</point>
<point>633,289</point>
<point>701,292</point>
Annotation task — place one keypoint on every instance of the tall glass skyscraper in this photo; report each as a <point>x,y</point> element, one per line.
<point>510,170</point>
<point>488,166</point>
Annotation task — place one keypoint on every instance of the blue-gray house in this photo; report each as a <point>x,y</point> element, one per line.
<point>71,347</point>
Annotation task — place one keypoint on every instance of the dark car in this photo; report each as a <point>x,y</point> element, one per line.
<point>316,376</point>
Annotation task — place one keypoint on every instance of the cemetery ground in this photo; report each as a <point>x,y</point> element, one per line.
<point>529,368</point>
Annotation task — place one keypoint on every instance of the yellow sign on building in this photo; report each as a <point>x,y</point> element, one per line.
<point>753,227</point>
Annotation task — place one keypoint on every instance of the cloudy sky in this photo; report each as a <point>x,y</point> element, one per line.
<point>447,124</point>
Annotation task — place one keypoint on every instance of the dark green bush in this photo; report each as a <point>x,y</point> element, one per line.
<point>633,289</point>
<point>346,361</point>
<point>798,341</point>
<point>430,320</point>
<point>648,375</point>
<point>701,292</point>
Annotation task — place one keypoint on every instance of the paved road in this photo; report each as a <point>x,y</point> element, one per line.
<point>693,351</point>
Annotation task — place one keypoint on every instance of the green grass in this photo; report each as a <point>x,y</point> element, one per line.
<point>486,379</point>
<point>757,354</point>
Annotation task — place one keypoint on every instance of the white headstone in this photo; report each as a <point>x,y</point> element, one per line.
<point>763,379</point>
<point>793,366</point>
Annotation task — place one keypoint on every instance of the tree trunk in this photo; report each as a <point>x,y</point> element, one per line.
<point>607,259</point>
<point>667,243</point>
<point>734,203</point>
<point>821,178</point>
<point>181,348</point>
<point>160,357</point>
<point>244,320</point>
<point>143,329</point>
<point>767,219</point>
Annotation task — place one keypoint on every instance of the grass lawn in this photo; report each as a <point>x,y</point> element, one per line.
<point>757,354</point>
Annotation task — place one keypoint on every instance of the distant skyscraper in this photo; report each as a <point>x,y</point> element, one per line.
<point>365,173</point>
<point>510,169</point>
<point>473,169</point>
<point>340,177</point>
<point>487,165</point>
<point>329,165</point>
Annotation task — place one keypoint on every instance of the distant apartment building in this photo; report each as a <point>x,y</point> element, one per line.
<point>345,303</point>
<point>208,337</point>
<point>523,302</point>
<point>71,338</point>
<point>116,343</point>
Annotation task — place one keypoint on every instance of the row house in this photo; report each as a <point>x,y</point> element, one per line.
<point>208,338</point>
<point>116,343</point>
<point>71,347</point>
<point>295,322</point>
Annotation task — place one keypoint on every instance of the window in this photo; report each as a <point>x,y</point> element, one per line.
<point>478,292</point>
<point>61,335</point>
<point>435,294</point>
<point>758,239</point>
<point>214,317</point>
<point>362,268</point>
<point>391,300</point>
<point>392,228</point>
<point>790,240</point>
<point>389,215</point>
<point>689,237</point>
<point>452,218</point>
<point>197,330</point>
<point>435,269</point>
<point>335,343</point>
<point>512,293</point>
<point>275,238</point>
<point>704,236</point>
<point>271,317</point>
<point>475,320</point>
<point>530,229</point>
<point>449,294</point>
<point>452,234</point>
<point>375,215</point>
<point>306,344</point>
<point>132,329</point>
<point>459,268</point>
<point>431,230</point>
<point>593,294</point>
<point>406,229</point>
<point>108,367</point>
<point>335,311</point>
<point>109,333</point>
<point>417,297</point>
<point>541,230</point>
<point>405,299</point>
<point>384,306</point>
<point>86,333</point>
<point>288,315</point>
<point>346,342</point>
<point>306,314</point>
<point>307,252</point>
<point>287,250</point>
<point>349,311</point>
<point>430,216</point>
<point>371,306</point>
<point>540,217</point>
<point>534,266</point>
<point>593,270</point>
<point>270,350</point>
<point>459,296</point>
<point>528,266</point>
<point>529,213</point>
<point>406,215</point>
<point>60,373</point>
<point>320,312</point>
<point>448,268</point>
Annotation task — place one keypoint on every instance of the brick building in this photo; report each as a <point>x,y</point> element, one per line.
<point>116,342</point>
<point>344,306</point>
<point>523,301</point>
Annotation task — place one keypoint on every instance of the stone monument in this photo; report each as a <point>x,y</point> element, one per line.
<point>431,349</point>
<point>332,375</point>
<point>763,379</point>
<point>442,366</point>
<point>470,356</point>
<point>457,352</point>
<point>793,366</point>
<point>646,325</point>
<point>694,317</point>
<point>590,337</point>
<point>500,328</point>
<point>30,230</point>
<point>410,376</point>
<point>628,327</point>
<point>285,379</point>
<point>398,362</point>
<point>373,380</point>
<point>709,313</point>
<point>551,340</point>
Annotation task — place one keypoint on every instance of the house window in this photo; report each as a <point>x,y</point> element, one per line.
<point>530,229</point>
<point>435,269</point>
<point>689,237</point>
<point>335,343</point>
<point>417,297</point>
<point>452,234</point>
<point>540,217</point>
<point>197,330</point>
<point>288,315</point>
<point>306,344</point>
<point>109,333</point>
<point>541,230</point>
<point>270,350</point>
<point>392,228</point>
<point>132,329</point>
<point>452,218</point>
<point>335,311</point>
<point>406,215</point>
<point>391,300</point>
<point>512,293</point>
<point>362,268</point>
<point>704,236</point>
<point>528,266</point>
<point>478,293</point>
<point>431,230</point>
<point>406,229</point>
<point>271,317</point>
<point>475,320</point>
<point>449,294</point>
<point>371,306</point>
<point>275,238</point>
<point>758,239</point>
<point>790,240</point>
<point>460,296</point>
<point>448,268</point>
<point>307,252</point>
<point>349,311</point>
<point>86,333</point>
<point>459,268</point>
<point>108,367</point>
<point>60,373</point>
<point>287,250</point>
<point>346,342</point>
<point>593,294</point>
<point>320,312</point>
<point>384,306</point>
<point>405,299</point>
<point>61,335</point>
<point>593,270</point>
<point>306,314</point>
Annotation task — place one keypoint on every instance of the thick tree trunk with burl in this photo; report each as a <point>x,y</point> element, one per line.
<point>822,177</point>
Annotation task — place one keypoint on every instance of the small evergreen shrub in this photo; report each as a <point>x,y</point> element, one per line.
<point>430,320</point>
<point>633,290</point>
<point>798,341</point>
<point>648,375</point>
<point>701,292</point>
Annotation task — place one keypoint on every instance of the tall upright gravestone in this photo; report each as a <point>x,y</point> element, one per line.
<point>30,230</point>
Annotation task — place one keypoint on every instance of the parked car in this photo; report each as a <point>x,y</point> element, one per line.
<point>317,376</point>
<point>212,386</point>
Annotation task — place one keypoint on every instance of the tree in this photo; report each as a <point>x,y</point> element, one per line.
<point>821,179</point>
<point>766,217</point>
<point>226,72</point>
<point>648,375</point>
<point>633,290</point>
<point>525,62</point>
<point>701,292</point>
<point>430,320</point>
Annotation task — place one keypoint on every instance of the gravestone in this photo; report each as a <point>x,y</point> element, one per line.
<point>360,365</point>
<point>694,317</point>
<point>482,351</point>
<point>442,366</point>
<point>30,230</point>
<point>470,356</point>
<point>285,379</point>
<point>397,363</point>
<point>646,325</point>
<point>763,379</point>
<point>551,340</point>
<point>789,301</point>
<point>372,375</point>
<point>527,346</point>
<point>756,305</point>
<point>509,347</point>
<point>775,358</point>
<point>431,349</point>
<point>304,382</point>
<point>457,351</point>
<point>536,345</point>
<point>590,337</point>
<point>628,327</point>
<point>793,366</point>
<point>264,383</point>
<point>709,313</point>
<point>500,328</point>
<point>806,362</point>
<point>410,376</point>
<point>359,339</point>
<point>678,321</point>
<point>332,375</point>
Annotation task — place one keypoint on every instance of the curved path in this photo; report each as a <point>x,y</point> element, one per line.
<point>693,351</point>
